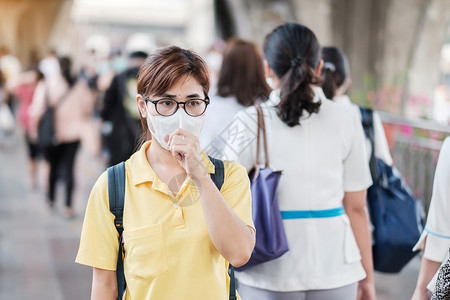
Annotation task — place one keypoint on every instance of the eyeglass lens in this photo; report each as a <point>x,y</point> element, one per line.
<point>193,107</point>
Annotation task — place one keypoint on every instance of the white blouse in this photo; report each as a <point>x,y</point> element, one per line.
<point>218,117</point>
<point>381,144</point>
<point>437,229</point>
<point>321,159</point>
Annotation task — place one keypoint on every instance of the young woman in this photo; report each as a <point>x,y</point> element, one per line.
<point>24,91</point>
<point>319,146</point>
<point>241,83</point>
<point>335,83</point>
<point>73,103</point>
<point>180,231</point>
<point>435,239</point>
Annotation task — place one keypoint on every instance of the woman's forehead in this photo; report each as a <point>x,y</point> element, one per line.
<point>186,85</point>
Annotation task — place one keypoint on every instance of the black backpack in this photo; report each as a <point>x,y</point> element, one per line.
<point>116,191</point>
<point>397,216</point>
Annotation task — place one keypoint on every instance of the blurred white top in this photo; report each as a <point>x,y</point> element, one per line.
<point>381,144</point>
<point>219,116</point>
<point>321,159</point>
<point>437,229</point>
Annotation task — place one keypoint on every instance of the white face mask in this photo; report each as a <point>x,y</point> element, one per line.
<point>166,125</point>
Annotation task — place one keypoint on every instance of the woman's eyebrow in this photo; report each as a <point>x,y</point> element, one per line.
<point>174,96</point>
<point>168,96</point>
<point>193,96</point>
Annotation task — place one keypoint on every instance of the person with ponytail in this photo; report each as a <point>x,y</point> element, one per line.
<point>319,147</point>
<point>335,83</point>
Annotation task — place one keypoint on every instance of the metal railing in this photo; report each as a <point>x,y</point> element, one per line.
<point>415,145</point>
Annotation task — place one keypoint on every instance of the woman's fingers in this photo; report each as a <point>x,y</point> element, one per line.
<point>185,136</point>
<point>178,140</point>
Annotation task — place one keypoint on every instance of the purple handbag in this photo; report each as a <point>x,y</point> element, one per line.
<point>271,240</point>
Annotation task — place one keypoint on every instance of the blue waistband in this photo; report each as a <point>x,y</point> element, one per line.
<point>308,214</point>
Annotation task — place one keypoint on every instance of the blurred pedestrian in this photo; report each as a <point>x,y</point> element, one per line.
<point>3,92</point>
<point>241,83</point>
<point>121,126</point>
<point>336,81</point>
<point>319,147</point>
<point>180,231</point>
<point>7,122</point>
<point>24,91</point>
<point>11,67</point>
<point>435,239</point>
<point>73,103</point>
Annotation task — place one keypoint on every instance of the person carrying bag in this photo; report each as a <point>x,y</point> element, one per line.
<point>319,145</point>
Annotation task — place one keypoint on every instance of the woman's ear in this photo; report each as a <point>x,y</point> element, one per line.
<point>319,68</point>
<point>267,70</point>
<point>141,105</point>
<point>271,78</point>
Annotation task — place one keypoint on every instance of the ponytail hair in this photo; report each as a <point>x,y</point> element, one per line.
<point>65,65</point>
<point>292,52</point>
<point>335,70</point>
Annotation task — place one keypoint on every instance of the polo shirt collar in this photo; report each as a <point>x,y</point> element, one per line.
<point>143,172</point>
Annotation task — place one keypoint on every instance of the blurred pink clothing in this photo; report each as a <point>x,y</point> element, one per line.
<point>24,92</point>
<point>74,107</point>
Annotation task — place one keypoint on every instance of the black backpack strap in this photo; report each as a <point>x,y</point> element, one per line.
<point>232,284</point>
<point>367,123</point>
<point>116,192</point>
<point>218,178</point>
<point>219,174</point>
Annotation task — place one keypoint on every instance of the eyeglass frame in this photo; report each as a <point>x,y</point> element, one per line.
<point>155,102</point>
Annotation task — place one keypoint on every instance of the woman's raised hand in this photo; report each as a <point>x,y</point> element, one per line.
<point>186,149</point>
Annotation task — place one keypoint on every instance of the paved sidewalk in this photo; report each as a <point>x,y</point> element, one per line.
<point>38,248</point>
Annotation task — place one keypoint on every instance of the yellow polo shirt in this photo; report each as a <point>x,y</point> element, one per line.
<point>168,251</point>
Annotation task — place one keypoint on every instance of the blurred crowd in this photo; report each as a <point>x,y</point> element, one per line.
<point>89,107</point>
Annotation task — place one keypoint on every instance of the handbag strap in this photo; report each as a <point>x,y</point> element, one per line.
<point>60,100</point>
<point>261,128</point>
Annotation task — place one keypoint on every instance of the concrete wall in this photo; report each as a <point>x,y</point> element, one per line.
<point>29,24</point>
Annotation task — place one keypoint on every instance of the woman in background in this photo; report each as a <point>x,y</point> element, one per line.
<point>336,81</point>
<point>435,239</point>
<point>73,103</point>
<point>241,84</point>
<point>319,147</point>
<point>24,91</point>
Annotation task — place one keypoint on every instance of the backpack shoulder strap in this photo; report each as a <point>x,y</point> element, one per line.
<point>218,179</point>
<point>367,123</point>
<point>116,192</point>
<point>219,175</point>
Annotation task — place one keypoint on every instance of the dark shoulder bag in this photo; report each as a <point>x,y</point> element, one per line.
<point>397,216</point>
<point>46,126</point>
<point>271,241</point>
<point>116,191</point>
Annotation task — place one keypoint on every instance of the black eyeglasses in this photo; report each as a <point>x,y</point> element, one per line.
<point>167,106</point>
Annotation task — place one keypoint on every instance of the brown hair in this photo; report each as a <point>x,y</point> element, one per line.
<point>163,68</point>
<point>242,73</point>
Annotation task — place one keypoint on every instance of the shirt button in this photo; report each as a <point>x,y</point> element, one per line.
<point>176,205</point>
